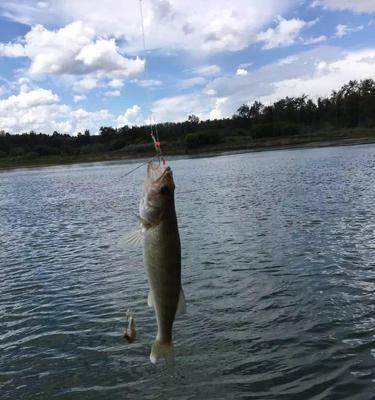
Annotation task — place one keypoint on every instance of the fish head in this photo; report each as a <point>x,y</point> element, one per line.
<point>158,194</point>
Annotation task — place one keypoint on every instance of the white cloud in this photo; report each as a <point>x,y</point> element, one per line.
<point>112,93</point>
<point>42,4</point>
<point>24,80</point>
<point>33,98</point>
<point>83,116</point>
<point>207,70</point>
<point>191,82</point>
<point>321,66</point>
<point>148,82</point>
<point>246,65</point>
<point>288,60</point>
<point>116,83</point>
<point>73,50</point>
<point>3,90</point>
<point>132,116</point>
<point>284,34</point>
<point>327,76</point>
<point>169,24</point>
<point>103,56</point>
<point>219,107</point>
<point>79,97</point>
<point>343,30</point>
<point>241,72</point>
<point>12,50</point>
<point>315,72</point>
<point>313,22</point>
<point>24,84</point>
<point>85,84</point>
<point>178,108</point>
<point>360,6</point>
<point>315,40</point>
<point>5,86</point>
<point>40,110</point>
<point>210,92</point>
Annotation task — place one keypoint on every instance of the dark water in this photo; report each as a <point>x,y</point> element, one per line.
<point>278,270</point>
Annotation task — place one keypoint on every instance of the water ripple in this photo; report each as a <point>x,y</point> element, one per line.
<point>278,272</point>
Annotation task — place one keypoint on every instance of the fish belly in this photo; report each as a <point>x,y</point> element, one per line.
<point>162,258</point>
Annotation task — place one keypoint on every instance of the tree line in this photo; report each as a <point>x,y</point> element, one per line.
<point>350,107</point>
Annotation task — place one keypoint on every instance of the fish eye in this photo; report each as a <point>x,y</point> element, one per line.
<point>165,190</point>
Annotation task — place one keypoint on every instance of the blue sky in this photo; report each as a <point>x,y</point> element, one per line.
<point>68,65</point>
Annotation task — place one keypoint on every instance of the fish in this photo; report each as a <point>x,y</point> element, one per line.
<point>161,255</point>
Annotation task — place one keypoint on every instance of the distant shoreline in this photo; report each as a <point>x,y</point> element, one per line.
<point>271,145</point>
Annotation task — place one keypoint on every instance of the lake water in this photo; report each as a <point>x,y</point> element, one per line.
<point>278,271</point>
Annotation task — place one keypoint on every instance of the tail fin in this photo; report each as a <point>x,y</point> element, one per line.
<point>162,350</point>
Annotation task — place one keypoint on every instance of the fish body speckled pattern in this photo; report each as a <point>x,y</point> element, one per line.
<point>162,256</point>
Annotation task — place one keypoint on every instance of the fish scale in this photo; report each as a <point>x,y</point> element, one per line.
<point>162,256</point>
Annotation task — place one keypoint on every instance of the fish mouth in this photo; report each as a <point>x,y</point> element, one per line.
<point>156,174</point>
<point>166,175</point>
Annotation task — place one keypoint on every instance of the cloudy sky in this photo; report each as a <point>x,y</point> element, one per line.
<point>68,65</point>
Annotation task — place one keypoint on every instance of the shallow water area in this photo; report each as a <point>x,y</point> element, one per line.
<point>278,272</point>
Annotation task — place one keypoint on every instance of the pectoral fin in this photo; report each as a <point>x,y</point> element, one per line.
<point>135,238</point>
<point>181,306</point>
<point>150,299</point>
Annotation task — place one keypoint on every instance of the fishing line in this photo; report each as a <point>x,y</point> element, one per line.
<point>153,129</point>
<point>154,132</point>
<point>139,166</point>
<point>143,27</point>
